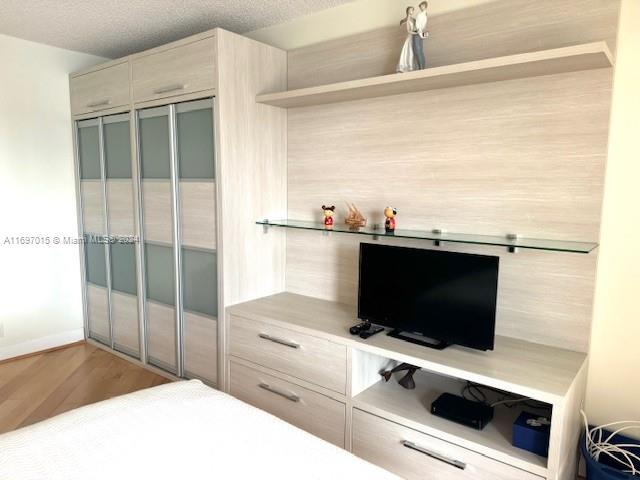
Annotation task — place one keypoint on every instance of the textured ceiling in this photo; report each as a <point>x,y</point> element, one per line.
<point>114,28</point>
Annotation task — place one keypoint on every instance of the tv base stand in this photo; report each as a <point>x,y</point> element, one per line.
<point>418,339</point>
<point>302,347</point>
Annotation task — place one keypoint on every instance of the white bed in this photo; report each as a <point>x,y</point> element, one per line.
<point>182,430</point>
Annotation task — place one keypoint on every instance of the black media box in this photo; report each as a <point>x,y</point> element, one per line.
<point>460,410</point>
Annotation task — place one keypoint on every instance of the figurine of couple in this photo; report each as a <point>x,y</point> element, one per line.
<point>412,55</point>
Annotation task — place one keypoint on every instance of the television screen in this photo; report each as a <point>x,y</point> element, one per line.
<point>446,296</point>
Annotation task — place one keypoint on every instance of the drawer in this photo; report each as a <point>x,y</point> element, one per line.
<point>303,356</point>
<point>183,69</point>
<point>311,411</point>
<point>100,90</point>
<point>414,455</point>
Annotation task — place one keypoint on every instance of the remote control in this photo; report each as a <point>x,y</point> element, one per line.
<point>359,328</point>
<point>371,331</point>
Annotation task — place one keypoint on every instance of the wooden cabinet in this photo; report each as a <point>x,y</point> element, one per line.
<point>100,89</point>
<point>171,71</point>
<point>414,455</point>
<point>159,157</point>
<point>309,410</point>
<point>310,358</point>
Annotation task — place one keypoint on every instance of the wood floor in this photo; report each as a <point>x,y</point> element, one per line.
<point>41,386</point>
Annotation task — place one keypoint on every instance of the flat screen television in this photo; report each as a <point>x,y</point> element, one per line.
<point>429,297</point>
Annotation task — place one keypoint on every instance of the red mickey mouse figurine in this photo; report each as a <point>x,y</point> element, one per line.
<point>328,215</point>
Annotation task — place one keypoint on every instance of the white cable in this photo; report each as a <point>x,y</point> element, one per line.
<point>595,448</point>
<point>512,400</point>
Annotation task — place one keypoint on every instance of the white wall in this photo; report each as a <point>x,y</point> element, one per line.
<point>613,389</point>
<point>40,299</point>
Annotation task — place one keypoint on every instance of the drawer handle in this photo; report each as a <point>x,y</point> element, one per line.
<point>437,456</point>
<point>170,88</point>
<point>279,341</point>
<point>289,396</point>
<point>101,103</point>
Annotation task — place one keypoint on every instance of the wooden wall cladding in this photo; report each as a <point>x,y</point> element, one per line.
<point>523,156</point>
<point>490,30</point>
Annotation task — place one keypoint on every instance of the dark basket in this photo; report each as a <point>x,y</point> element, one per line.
<point>607,468</point>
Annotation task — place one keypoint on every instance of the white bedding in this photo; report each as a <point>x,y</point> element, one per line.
<point>182,430</point>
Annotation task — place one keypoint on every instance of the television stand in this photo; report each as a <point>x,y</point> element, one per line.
<point>418,339</point>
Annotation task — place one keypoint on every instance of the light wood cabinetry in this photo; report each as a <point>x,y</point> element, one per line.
<point>198,215</point>
<point>381,416</point>
<point>124,315</point>
<point>121,207</point>
<point>101,89</point>
<point>98,312</point>
<point>156,197</point>
<point>160,328</point>
<point>174,70</point>
<point>310,358</point>
<point>414,455</point>
<point>172,172</point>
<point>200,334</point>
<point>309,410</point>
<point>92,203</point>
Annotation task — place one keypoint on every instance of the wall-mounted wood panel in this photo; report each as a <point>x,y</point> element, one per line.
<point>198,214</point>
<point>120,207</point>
<point>490,30</point>
<point>524,156</point>
<point>542,297</point>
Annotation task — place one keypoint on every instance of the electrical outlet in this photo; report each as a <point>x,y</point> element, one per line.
<point>1,330</point>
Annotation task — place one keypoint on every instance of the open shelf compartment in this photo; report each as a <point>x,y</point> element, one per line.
<point>531,64</point>
<point>494,240</point>
<point>411,408</point>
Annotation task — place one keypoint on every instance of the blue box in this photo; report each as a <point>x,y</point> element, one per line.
<point>531,432</point>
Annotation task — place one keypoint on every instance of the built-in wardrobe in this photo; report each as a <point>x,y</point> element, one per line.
<point>175,162</point>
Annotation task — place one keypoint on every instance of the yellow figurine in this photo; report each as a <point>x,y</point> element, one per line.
<point>390,219</point>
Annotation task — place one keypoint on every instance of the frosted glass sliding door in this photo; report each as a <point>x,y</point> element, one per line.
<point>121,228</point>
<point>156,146</point>
<point>94,228</point>
<point>196,170</point>
<point>179,231</point>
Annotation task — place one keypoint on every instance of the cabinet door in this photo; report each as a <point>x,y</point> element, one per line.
<point>197,223</point>
<point>100,90</point>
<point>174,71</point>
<point>158,233</point>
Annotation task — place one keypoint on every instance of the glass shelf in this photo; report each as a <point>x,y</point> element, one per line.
<point>510,243</point>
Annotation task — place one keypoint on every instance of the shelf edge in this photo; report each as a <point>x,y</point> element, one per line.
<point>291,98</point>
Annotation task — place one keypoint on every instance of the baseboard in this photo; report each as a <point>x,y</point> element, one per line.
<point>41,344</point>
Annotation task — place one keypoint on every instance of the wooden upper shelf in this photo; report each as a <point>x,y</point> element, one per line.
<point>546,62</point>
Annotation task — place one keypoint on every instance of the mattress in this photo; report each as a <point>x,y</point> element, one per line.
<point>182,430</point>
